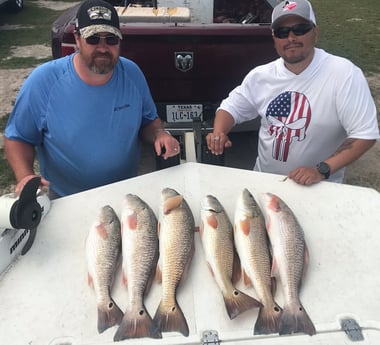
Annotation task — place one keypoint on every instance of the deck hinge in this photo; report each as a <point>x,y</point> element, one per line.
<point>210,338</point>
<point>352,329</point>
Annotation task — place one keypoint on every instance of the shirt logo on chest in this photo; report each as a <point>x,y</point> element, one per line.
<point>121,107</point>
<point>288,116</point>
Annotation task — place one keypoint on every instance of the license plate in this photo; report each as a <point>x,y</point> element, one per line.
<point>183,112</point>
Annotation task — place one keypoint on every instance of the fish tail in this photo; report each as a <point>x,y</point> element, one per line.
<point>110,317</point>
<point>171,319</point>
<point>268,320</point>
<point>296,320</point>
<point>238,302</point>
<point>138,325</point>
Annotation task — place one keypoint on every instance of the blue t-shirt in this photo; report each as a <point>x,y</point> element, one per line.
<point>86,136</point>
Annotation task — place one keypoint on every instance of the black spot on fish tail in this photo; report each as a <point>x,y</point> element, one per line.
<point>138,325</point>
<point>171,319</point>
<point>268,320</point>
<point>238,302</point>
<point>109,317</point>
<point>296,320</point>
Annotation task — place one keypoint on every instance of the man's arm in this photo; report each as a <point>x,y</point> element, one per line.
<point>347,153</point>
<point>149,132</point>
<point>154,133</point>
<point>20,156</point>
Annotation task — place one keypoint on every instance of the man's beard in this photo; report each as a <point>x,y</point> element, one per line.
<point>103,66</point>
<point>293,59</point>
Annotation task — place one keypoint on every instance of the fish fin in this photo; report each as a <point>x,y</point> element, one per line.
<point>273,285</point>
<point>110,317</point>
<point>245,226</point>
<point>274,203</point>
<point>132,221</point>
<point>238,302</point>
<point>171,319</point>
<point>101,231</point>
<point>119,261</point>
<point>139,325</point>
<point>201,229</point>
<point>267,224</point>
<point>247,280</point>
<point>124,279</point>
<point>236,268</point>
<point>158,274</point>
<point>296,320</point>
<point>212,221</point>
<point>274,270</point>
<point>90,281</point>
<point>268,320</point>
<point>210,269</point>
<point>172,203</point>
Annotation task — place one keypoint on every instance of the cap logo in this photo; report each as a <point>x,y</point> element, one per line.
<point>99,12</point>
<point>290,5</point>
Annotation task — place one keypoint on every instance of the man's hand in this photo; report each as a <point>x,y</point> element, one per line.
<point>306,176</point>
<point>21,184</point>
<point>217,142</point>
<point>165,140</point>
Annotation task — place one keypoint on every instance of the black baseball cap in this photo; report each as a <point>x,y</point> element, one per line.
<point>95,16</point>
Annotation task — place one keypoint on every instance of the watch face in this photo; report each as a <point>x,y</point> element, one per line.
<point>324,169</point>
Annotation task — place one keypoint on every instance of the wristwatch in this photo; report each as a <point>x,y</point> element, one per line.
<point>324,169</point>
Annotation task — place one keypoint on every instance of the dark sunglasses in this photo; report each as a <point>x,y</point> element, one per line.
<point>298,30</point>
<point>111,40</point>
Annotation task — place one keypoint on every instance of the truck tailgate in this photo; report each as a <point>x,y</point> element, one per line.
<point>221,56</point>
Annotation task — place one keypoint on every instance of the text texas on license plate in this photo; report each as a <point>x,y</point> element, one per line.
<point>183,112</point>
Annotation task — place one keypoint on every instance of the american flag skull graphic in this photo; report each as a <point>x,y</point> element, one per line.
<point>288,116</point>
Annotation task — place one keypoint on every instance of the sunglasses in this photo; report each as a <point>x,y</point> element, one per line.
<point>298,30</point>
<point>111,40</point>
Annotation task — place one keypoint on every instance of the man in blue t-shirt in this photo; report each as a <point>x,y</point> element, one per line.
<point>85,113</point>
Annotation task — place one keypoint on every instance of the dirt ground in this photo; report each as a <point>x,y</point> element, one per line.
<point>367,168</point>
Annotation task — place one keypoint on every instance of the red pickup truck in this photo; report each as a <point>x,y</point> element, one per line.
<point>191,52</point>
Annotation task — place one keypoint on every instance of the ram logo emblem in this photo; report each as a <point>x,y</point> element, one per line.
<point>184,61</point>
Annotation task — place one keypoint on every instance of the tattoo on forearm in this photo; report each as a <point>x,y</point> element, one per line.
<point>347,144</point>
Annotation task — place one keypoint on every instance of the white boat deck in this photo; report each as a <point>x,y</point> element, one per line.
<point>45,299</point>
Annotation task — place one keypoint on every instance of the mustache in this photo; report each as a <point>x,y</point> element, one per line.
<point>99,54</point>
<point>292,45</point>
